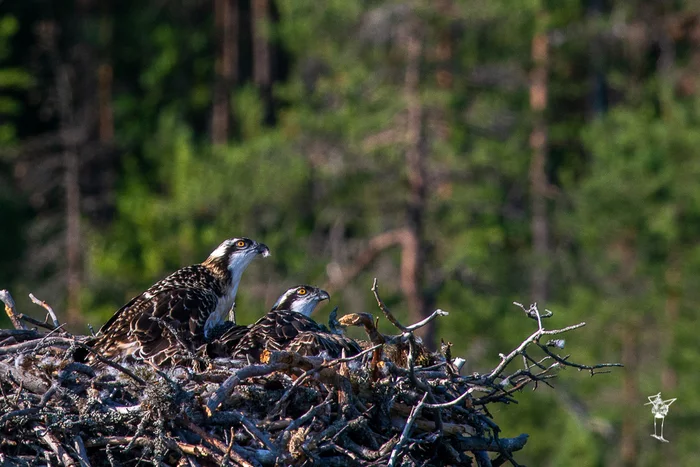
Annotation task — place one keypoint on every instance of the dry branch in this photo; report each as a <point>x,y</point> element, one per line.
<point>10,309</point>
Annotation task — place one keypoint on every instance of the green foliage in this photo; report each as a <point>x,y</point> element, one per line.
<point>12,79</point>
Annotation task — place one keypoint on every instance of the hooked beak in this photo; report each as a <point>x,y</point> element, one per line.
<point>323,295</point>
<point>262,249</point>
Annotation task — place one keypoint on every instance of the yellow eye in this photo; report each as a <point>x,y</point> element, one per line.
<point>301,291</point>
<point>240,243</point>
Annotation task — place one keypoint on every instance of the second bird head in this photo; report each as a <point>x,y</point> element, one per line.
<point>301,299</point>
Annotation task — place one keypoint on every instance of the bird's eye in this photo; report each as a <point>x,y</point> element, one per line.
<point>240,243</point>
<point>301,291</point>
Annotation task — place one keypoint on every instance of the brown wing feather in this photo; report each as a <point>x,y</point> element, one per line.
<point>288,330</point>
<point>315,343</point>
<point>139,328</point>
<point>223,345</point>
<point>275,331</point>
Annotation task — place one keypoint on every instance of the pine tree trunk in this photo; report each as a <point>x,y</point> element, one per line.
<point>262,60</point>
<point>630,423</point>
<point>538,175</point>
<point>261,46</point>
<point>105,76</point>
<point>226,13</point>
<point>413,254</point>
<point>71,186</point>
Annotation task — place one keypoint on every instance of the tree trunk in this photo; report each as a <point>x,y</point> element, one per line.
<point>71,185</point>
<point>261,46</point>
<point>630,423</point>
<point>538,175</point>
<point>262,60</point>
<point>226,18</point>
<point>413,253</point>
<point>104,77</point>
<point>669,378</point>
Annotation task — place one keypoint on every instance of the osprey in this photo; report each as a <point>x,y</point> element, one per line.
<point>287,326</point>
<point>181,310</point>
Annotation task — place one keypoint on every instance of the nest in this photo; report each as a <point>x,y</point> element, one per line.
<point>396,403</point>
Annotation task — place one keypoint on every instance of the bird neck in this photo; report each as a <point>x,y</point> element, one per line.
<point>304,308</point>
<point>219,269</point>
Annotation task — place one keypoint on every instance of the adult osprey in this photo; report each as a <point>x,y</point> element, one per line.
<point>180,310</point>
<point>287,326</point>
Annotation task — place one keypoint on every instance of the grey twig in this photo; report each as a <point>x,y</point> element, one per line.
<point>232,381</point>
<point>82,453</point>
<point>392,319</point>
<point>422,323</point>
<point>48,309</point>
<point>396,453</point>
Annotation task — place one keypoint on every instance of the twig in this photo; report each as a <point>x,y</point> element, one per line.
<point>590,368</point>
<point>396,452</point>
<point>475,443</point>
<point>283,439</point>
<point>18,413</point>
<point>385,310</point>
<point>451,403</point>
<point>217,444</point>
<point>32,345</point>
<point>55,446</point>
<point>48,309</point>
<point>36,322</point>
<point>282,356</point>
<point>252,429</point>
<point>191,449</point>
<point>232,381</point>
<point>337,361</point>
<point>422,323</point>
<point>10,309</point>
<point>82,453</point>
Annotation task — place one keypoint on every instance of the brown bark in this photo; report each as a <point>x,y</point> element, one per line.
<point>106,124</point>
<point>261,46</point>
<point>629,446</point>
<point>669,377</point>
<point>413,255</point>
<point>71,184</point>
<point>226,13</point>
<point>104,79</point>
<point>538,176</point>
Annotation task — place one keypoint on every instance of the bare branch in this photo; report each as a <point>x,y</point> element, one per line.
<point>48,309</point>
<point>10,309</point>
<point>396,454</point>
<point>385,310</point>
<point>422,323</point>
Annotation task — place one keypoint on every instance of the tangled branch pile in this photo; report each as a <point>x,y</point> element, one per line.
<point>394,404</point>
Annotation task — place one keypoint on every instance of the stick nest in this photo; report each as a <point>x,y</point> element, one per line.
<point>394,404</point>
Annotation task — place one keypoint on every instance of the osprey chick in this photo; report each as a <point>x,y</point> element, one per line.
<point>287,326</point>
<point>180,310</point>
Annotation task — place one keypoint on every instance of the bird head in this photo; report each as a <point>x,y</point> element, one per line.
<point>235,254</point>
<point>302,299</point>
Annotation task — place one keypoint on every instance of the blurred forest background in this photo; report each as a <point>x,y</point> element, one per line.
<point>466,153</point>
